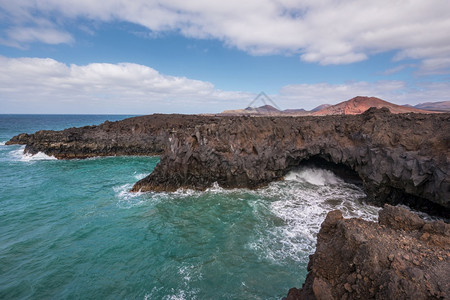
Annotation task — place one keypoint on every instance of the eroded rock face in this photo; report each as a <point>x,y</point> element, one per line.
<point>400,158</point>
<point>134,136</point>
<point>401,257</point>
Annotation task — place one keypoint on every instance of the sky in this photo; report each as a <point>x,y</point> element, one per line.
<point>206,56</point>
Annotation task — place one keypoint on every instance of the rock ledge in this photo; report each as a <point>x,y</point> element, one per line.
<point>401,257</point>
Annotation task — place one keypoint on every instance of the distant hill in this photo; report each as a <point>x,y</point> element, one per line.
<point>360,104</point>
<point>435,106</point>
<point>262,110</point>
<point>266,110</point>
<point>299,111</point>
<point>354,106</point>
<point>320,107</point>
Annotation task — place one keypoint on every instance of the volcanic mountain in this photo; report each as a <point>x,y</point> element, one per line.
<point>264,109</point>
<point>360,104</point>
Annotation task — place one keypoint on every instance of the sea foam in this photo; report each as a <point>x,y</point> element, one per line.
<point>126,198</point>
<point>140,176</point>
<point>313,176</point>
<point>19,155</point>
<point>37,156</point>
<point>301,203</point>
<point>298,205</point>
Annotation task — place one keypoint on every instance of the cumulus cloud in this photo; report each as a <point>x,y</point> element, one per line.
<point>37,85</point>
<point>325,32</point>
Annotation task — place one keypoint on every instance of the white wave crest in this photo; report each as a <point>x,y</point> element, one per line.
<point>140,176</point>
<point>126,198</point>
<point>19,155</point>
<point>3,143</point>
<point>300,209</point>
<point>313,176</point>
<point>215,188</point>
<point>37,156</point>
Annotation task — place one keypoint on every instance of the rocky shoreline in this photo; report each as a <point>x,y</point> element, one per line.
<point>133,136</point>
<point>401,158</point>
<point>401,257</point>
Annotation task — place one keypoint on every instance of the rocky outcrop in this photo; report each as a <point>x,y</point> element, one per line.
<point>135,136</point>
<point>400,158</point>
<point>401,257</point>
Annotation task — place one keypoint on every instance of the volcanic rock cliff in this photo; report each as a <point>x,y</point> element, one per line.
<point>134,136</point>
<point>400,158</point>
<point>401,257</point>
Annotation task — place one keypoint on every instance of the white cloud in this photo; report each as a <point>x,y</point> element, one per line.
<point>435,65</point>
<point>36,85</point>
<point>397,69</point>
<point>325,31</point>
<point>45,35</point>
<point>45,85</point>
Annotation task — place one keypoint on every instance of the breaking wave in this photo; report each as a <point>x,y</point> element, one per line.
<point>20,155</point>
<point>301,203</point>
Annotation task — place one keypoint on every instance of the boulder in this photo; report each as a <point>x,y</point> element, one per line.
<point>401,257</point>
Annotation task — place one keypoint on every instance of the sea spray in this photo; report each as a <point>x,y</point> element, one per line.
<point>20,155</point>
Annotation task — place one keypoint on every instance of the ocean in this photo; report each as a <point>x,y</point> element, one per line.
<point>70,229</point>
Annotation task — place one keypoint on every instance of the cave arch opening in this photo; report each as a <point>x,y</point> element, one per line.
<point>374,196</point>
<point>340,170</point>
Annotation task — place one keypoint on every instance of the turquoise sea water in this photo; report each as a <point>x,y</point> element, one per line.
<point>71,230</point>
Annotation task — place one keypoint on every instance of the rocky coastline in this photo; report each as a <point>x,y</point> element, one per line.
<point>398,158</point>
<point>400,257</point>
<point>134,136</point>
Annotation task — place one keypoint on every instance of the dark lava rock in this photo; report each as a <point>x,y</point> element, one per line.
<point>401,257</point>
<point>399,158</point>
<point>134,136</point>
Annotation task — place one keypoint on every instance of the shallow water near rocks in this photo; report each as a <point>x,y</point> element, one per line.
<point>71,229</point>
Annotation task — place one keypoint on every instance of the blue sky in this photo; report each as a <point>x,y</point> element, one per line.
<point>142,57</point>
